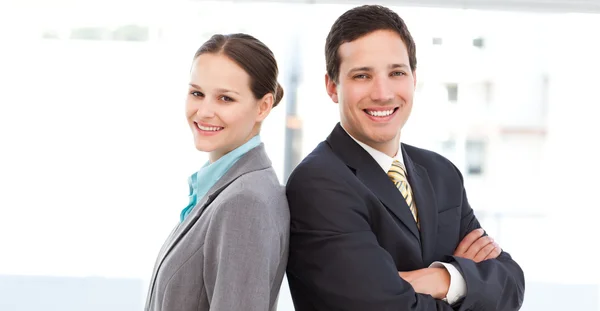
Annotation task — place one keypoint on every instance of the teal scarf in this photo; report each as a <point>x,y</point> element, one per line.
<point>204,179</point>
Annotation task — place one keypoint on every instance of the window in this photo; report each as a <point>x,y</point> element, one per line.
<point>452,89</point>
<point>479,43</point>
<point>475,153</point>
<point>545,95</point>
<point>130,32</point>
<point>448,146</point>
<point>488,92</point>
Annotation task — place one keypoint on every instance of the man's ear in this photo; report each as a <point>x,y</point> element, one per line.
<point>331,87</point>
<point>414,73</point>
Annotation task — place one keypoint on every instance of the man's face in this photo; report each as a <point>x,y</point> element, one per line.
<point>375,89</point>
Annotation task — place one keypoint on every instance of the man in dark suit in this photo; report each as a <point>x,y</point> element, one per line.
<point>377,224</point>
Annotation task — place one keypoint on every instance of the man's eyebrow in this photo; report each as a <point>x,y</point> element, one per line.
<point>395,66</point>
<point>367,68</point>
<point>360,69</point>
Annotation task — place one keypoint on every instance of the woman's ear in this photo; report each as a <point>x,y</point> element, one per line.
<point>265,105</point>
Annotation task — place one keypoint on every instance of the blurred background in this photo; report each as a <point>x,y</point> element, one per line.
<point>95,150</point>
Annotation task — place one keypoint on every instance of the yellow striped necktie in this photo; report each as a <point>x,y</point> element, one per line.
<point>398,175</point>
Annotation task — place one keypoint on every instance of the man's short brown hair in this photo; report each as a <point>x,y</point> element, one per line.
<point>361,21</point>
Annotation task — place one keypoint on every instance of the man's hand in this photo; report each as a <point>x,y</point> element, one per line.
<point>477,247</point>
<point>429,281</point>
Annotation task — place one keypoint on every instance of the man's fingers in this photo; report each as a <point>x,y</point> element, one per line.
<point>405,276</point>
<point>411,275</point>
<point>494,253</point>
<point>484,252</point>
<point>467,241</point>
<point>478,246</point>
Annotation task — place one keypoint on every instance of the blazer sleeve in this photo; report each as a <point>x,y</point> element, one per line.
<point>494,284</point>
<point>334,254</point>
<point>242,253</point>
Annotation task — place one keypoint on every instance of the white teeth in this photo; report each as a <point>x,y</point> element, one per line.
<point>209,128</point>
<point>380,113</point>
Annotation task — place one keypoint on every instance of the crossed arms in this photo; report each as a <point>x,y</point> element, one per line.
<point>436,281</point>
<point>337,261</point>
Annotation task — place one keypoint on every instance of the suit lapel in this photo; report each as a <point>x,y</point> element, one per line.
<point>372,176</point>
<point>377,180</point>
<point>424,197</point>
<point>254,160</point>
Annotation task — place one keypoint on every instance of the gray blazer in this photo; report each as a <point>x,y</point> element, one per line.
<point>231,251</point>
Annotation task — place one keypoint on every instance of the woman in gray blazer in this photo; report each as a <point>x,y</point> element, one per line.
<point>229,252</point>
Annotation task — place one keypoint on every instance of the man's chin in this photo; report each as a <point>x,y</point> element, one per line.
<point>383,138</point>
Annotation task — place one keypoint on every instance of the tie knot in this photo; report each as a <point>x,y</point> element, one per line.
<point>398,165</point>
<point>397,172</point>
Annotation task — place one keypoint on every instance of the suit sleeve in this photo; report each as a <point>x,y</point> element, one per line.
<point>335,260</point>
<point>494,284</point>
<point>242,253</point>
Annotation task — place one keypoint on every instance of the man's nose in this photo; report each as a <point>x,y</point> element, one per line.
<point>381,90</point>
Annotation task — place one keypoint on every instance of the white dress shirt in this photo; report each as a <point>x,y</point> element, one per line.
<point>458,286</point>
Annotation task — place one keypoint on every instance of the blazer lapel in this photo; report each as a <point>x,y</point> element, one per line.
<point>254,160</point>
<point>372,176</point>
<point>377,181</point>
<point>424,197</point>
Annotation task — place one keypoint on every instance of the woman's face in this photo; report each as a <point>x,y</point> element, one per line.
<point>220,107</point>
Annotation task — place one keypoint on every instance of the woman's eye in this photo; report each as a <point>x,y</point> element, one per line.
<point>197,94</point>
<point>226,98</point>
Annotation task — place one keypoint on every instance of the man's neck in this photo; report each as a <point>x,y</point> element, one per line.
<point>390,148</point>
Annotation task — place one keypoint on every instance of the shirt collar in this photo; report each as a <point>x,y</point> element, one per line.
<point>381,158</point>
<point>203,180</point>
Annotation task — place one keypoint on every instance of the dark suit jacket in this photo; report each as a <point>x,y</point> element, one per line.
<point>352,231</point>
